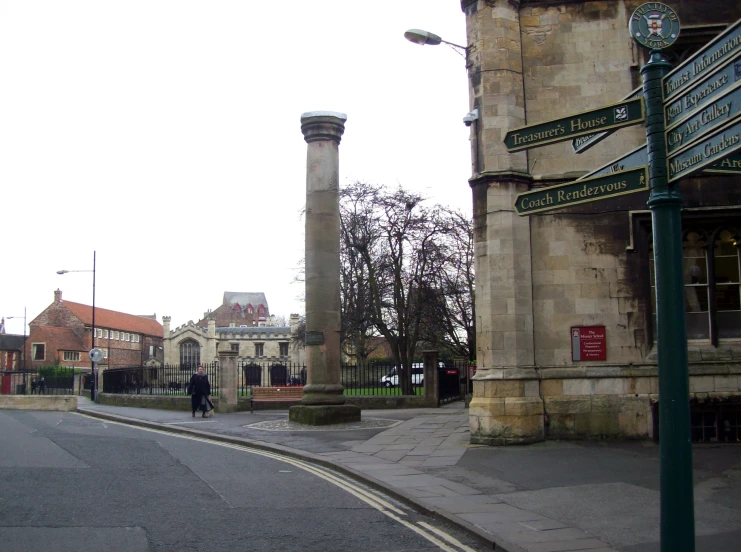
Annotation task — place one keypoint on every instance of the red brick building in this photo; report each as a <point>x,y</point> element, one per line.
<point>62,334</point>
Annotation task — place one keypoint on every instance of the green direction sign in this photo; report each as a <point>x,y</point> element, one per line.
<point>716,52</point>
<point>582,191</point>
<point>583,143</point>
<point>708,151</point>
<point>727,165</point>
<point>706,91</point>
<point>631,160</point>
<point>604,118</point>
<point>717,113</point>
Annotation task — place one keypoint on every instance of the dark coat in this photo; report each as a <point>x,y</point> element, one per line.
<point>199,387</point>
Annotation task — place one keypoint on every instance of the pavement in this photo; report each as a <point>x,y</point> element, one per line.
<point>555,496</point>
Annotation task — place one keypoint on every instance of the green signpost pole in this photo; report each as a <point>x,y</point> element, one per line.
<point>665,201</point>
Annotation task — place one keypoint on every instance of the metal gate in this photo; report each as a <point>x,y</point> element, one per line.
<point>449,378</point>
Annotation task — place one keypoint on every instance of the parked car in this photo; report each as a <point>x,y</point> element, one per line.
<point>392,378</point>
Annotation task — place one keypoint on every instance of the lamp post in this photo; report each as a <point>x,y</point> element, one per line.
<point>94,387</point>
<point>418,36</point>
<point>23,352</point>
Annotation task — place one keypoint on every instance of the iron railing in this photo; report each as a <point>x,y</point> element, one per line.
<point>59,380</point>
<point>170,379</point>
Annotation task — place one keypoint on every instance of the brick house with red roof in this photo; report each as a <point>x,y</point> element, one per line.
<point>62,334</point>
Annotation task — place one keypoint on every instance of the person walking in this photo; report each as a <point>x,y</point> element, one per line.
<point>199,389</point>
<point>33,386</point>
<point>42,386</point>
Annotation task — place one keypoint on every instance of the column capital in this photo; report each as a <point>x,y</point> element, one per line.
<point>323,125</point>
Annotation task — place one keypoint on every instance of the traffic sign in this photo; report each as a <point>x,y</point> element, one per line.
<point>705,152</point>
<point>719,112</point>
<point>604,118</point>
<point>583,143</point>
<point>582,191</point>
<point>728,165</point>
<point>704,92</point>
<point>631,160</point>
<point>716,52</point>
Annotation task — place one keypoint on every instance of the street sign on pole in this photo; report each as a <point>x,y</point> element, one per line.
<point>688,131</point>
<point>704,91</point>
<point>583,143</point>
<point>713,148</point>
<point>582,191</point>
<point>604,118</point>
<point>717,51</point>
<point>730,164</point>
<point>631,160</point>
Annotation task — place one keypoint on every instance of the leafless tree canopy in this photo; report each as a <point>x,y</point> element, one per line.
<point>407,275</point>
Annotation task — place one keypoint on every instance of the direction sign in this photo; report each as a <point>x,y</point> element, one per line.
<point>582,191</point>
<point>715,52</point>
<point>711,149</point>
<point>727,165</point>
<point>604,118</point>
<point>705,91</point>
<point>583,143</point>
<point>631,160</point>
<point>717,113</point>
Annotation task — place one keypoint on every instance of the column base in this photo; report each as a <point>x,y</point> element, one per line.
<point>327,414</point>
<point>506,421</point>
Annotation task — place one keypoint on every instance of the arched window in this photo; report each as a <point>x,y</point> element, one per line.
<point>190,355</point>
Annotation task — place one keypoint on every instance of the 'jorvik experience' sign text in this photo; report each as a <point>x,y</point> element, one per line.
<point>582,191</point>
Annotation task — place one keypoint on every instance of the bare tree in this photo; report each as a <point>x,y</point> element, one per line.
<point>395,239</point>
<point>449,323</point>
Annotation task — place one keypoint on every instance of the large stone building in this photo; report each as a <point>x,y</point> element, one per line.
<point>242,323</point>
<point>588,268</point>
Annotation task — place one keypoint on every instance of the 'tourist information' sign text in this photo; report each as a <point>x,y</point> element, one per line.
<point>605,118</point>
<point>582,191</point>
<point>724,47</point>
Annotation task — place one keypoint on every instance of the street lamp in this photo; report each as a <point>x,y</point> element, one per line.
<point>94,387</point>
<point>418,36</point>
<point>23,352</point>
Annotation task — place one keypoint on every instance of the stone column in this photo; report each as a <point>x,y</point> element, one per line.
<point>432,378</point>
<point>167,342</point>
<point>324,401</point>
<point>505,407</point>
<point>211,346</point>
<point>228,381</point>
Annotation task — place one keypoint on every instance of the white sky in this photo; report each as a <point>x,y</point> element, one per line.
<point>165,135</point>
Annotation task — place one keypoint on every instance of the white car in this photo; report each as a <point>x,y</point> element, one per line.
<point>392,378</point>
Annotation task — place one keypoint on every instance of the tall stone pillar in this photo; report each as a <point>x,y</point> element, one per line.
<point>323,401</point>
<point>227,381</point>
<point>506,407</point>
<point>210,352</point>
<point>166,342</point>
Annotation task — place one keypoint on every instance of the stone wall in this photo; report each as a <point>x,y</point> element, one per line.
<point>537,276</point>
<point>61,403</point>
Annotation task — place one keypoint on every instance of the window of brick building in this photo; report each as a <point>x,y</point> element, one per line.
<point>105,334</point>
<point>72,356</point>
<point>38,351</point>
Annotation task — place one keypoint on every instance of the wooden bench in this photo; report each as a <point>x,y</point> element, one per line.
<point>276,394</point>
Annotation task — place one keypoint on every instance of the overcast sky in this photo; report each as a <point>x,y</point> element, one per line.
<point>165,135</point>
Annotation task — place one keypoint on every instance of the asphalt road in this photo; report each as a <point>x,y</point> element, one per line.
<point>72,483</point>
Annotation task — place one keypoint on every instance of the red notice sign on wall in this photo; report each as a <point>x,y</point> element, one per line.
<point>588,343</point>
